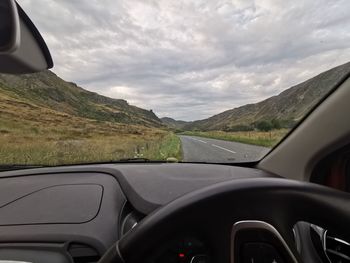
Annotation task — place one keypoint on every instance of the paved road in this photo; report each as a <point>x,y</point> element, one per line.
<point>198,149</point>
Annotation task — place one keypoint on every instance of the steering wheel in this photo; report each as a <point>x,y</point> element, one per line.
<point>241,217</point>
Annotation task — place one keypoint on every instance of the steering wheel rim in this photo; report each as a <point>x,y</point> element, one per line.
<point>278,202</point>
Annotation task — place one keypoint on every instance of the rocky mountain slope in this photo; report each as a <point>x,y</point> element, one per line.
<point>46,89</point>
<point>287,107</point>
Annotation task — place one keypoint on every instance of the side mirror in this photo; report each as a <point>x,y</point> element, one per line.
<point>22,48</point>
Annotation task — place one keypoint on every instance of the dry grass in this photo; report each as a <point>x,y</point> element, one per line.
<point>30,134</point>
<point>267,139</point>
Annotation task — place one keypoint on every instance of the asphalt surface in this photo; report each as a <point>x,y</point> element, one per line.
<point>198,149</point>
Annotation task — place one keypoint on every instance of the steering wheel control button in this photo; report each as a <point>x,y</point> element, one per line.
<point>259,252</point>
<point>270,254</point>
<point>251,253</point>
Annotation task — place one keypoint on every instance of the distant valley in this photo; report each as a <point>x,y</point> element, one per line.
<point>175,124</point>
<point>280,111</point>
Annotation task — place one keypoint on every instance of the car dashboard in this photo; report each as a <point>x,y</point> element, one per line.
<point>75,213</point>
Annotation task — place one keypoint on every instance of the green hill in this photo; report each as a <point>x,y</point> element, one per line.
<point>48,121</point>
<point>287,108</point>
<point>46,89</point>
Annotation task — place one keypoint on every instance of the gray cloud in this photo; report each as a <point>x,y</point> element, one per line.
<point>192,59</point>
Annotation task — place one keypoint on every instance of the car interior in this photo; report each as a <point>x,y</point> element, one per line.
<point>291,206</point>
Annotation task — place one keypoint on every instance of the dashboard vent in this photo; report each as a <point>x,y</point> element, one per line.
<point>81,253</point>
<point>337,250</point>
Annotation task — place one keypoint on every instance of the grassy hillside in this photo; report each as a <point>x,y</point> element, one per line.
<point>288,107</point>
<point>48,90</point>
<point>47,121</point>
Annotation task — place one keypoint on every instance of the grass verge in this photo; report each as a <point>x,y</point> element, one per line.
<point>36,135</point>
<point>168,146</point>
<point>266,139</point>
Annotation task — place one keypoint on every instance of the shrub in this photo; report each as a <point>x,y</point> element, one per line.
<point>264,125</point>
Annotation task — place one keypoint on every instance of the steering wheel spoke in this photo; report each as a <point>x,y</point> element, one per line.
<point>258,242</point>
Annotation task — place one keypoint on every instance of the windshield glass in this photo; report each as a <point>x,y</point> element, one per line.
<point>199,81</point>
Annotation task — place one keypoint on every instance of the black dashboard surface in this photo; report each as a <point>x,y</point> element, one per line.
<point>60,207</point>
<point>84,203</point>
<point>148,186</point>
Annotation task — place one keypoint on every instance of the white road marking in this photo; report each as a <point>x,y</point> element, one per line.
<point>198,140</point>
<point>222,148</point>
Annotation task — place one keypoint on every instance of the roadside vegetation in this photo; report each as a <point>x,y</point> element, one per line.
<point>30,134</point>
<point>169,146</point>
<point>261,138</point>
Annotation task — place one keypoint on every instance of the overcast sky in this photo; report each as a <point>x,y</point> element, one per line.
<point>192,59</point>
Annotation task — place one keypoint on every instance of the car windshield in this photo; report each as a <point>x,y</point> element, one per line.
<point>191,81</point>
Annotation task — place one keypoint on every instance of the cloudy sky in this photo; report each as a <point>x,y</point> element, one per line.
<point>192,59</point>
